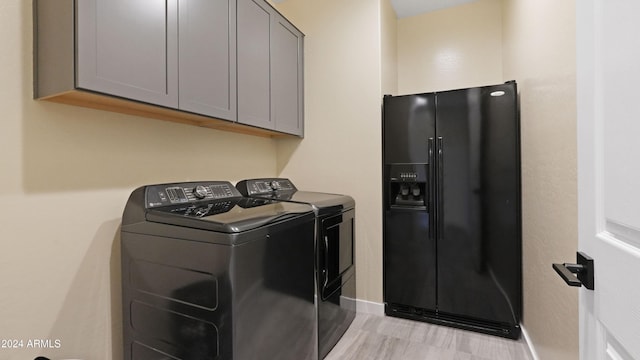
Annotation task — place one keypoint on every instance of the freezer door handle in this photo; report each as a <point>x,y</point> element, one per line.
<point>431,189</point>
<point>583,269</point>
<point>440,186</point>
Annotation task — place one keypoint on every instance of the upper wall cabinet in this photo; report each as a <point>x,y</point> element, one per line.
<point>270,69</point>
<point>169,59</point>
<point>128,48</point>
<point>207,55</point>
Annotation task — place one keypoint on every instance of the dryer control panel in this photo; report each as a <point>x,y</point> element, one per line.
<point>265,186</point>
<point>183,193</point>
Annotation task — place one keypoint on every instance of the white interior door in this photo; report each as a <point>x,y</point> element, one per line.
<point>608,53</point>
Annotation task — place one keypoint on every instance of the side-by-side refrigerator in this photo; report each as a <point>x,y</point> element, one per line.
<point>452,208</point>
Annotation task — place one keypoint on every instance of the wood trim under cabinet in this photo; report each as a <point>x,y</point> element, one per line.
<point>114,104</point>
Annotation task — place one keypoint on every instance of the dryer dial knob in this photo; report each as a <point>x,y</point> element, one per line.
<point>200,192</point>
<point>274,185</point>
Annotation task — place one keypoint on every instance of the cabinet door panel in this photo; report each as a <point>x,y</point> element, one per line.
<point>286,80</point>
<point>207,41</point>
<point>254,107</point>
<point>128,48</point>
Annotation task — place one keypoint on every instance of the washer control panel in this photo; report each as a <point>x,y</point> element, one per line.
<point>265,186</point>
<point>184,193</point>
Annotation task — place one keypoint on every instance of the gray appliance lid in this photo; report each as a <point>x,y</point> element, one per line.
<point>231,215</point>
<point>316,199</point>
<point>284,190</point>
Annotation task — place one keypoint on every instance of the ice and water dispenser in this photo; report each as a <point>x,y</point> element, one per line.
<point>407,186</point>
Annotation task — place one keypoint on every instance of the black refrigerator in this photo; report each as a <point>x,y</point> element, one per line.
<point>452,208</point>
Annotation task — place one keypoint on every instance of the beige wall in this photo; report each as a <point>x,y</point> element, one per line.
<point>389,47</point>
<point>542,59</point>
<point>451,48</point>
<point>66,173</point>
<point>341,151</point>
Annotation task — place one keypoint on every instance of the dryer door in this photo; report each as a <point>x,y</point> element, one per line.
<point>336,251</point>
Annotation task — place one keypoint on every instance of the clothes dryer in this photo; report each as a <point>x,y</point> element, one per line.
<point>335,252</point>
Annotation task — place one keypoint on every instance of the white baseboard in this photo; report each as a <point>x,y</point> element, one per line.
<point>369,307</point>
<point>527,340</point>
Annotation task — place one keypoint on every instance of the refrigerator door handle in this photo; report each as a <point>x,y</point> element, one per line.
<point>440,187</point>
<point>431,189</point>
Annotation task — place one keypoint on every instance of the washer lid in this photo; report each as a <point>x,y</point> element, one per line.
<point>231,215</point>
<point>321,202</point>
<point>283,189</point>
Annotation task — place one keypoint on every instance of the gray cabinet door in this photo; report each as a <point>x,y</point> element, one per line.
<point>270,87</point>
<point>254,104</point>
<point>286,77</point>
<point>128,48</point>
<point>207,48</point>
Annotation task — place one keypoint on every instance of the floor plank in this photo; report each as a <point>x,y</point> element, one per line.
<point>372,337</point>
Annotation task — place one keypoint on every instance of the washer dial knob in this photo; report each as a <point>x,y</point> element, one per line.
<point>200,192</point>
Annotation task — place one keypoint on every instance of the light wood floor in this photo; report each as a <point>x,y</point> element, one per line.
<point>372,337</point>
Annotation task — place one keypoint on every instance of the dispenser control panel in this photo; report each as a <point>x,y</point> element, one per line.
<point>408,176</point>
<point>407,185</point>
<point>408,172</point>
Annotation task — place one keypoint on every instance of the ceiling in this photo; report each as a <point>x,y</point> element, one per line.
<point>406,8</point>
